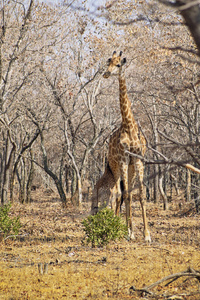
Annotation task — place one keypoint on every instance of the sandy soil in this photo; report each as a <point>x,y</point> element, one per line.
<point>52,235</point>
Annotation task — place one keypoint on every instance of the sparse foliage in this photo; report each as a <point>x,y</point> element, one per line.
<point>103,227</point>
<point>8,225</point>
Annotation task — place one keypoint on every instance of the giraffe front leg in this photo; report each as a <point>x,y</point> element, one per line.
<point>147,236</point>
<point>127,200</point>
<point>118,197</point>
<point>129,222</point>
<point>113,198</point>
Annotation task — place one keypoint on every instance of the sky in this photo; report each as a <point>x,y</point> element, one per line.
<point>91,4</point>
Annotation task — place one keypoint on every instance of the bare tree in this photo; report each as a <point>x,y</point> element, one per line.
<point>12,48</point>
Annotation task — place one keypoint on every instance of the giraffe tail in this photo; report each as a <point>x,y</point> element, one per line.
<point>109,169</point>
<point>122,192</point>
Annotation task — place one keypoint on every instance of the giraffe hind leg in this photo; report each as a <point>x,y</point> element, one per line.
<point>118,196</point>
<point>140,170</point>
<point>131,181</point>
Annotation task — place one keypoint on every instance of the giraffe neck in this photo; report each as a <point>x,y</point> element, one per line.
<point>128,120</point>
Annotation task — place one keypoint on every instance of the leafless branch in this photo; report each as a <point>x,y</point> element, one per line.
<point>187,148</point>
<point>189,5</point>
<point>165,161</point>
<point>188,273</point>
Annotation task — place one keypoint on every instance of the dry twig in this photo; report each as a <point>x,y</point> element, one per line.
<point>146,290</point>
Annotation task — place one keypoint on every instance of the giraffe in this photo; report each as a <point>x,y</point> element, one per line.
<point>123,166</point>
<point>103,191</point>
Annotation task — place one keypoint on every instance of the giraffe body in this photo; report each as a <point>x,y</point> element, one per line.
<point>123,166</point>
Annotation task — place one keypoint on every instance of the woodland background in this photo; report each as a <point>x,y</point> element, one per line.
<point>57,112</point>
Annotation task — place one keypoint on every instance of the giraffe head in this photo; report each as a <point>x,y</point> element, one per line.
<point>114,65</point>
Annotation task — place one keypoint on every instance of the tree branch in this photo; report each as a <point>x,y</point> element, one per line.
<point>189,272</point>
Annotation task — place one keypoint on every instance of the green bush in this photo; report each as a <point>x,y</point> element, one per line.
<point>103,227</point>
<point>8,225</point>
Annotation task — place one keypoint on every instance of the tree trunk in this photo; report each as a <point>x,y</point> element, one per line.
<point>75,167</point>
<point>30,179</point>
<point>156,167</point>
<point>73,182</point>
<point>147,170</point>
<point>163,195</point>
<point>28,146</point>
<point>22,181</point>
<point>156,183</point>
<point>8,154</point>
<point>196,192</point>
<point>67,179</point>
<point>188,185</point>
<point>80,197</point>
<point>175,183</point>
<point>191,13</point>
<point>56,180</point>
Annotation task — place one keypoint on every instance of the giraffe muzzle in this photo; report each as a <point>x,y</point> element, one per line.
<point>106,74</point>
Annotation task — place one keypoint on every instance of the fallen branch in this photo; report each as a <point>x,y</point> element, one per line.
<point>146,290</point>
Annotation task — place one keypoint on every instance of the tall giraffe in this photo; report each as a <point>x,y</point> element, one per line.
<point>123,166</point>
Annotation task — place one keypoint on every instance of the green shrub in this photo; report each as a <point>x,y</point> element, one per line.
<point>8,225</point>
<point>103,227</point>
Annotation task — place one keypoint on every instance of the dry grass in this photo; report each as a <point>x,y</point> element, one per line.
<point>53,234</point>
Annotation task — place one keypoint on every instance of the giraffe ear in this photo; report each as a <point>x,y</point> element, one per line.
<point>109,60</point>
<point>123,60</point>
<point>114,54</point>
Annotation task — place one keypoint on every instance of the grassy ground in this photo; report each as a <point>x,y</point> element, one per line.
<point>52,234</point>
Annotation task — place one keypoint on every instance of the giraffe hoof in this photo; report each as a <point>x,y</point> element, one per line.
<point>147,237</point>
<point>131,235</point>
